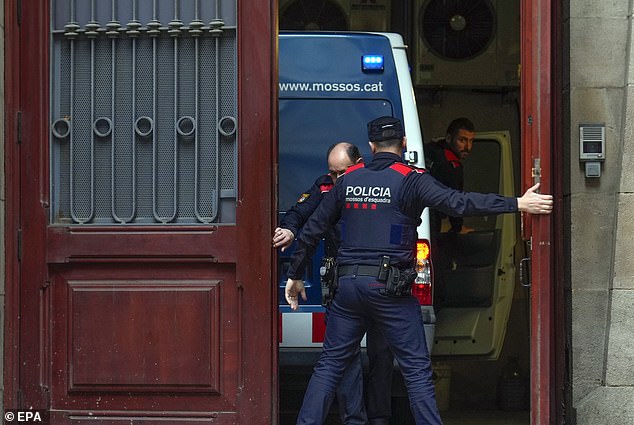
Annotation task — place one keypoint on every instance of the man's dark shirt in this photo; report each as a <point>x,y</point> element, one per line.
<point>446,167</point>
<point>307,203</point>
<point>419,190</point>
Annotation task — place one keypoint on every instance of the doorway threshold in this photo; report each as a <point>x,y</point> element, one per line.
<point>485,417</point>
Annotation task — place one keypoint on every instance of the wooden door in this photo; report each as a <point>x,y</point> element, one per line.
<point>541,142</point>
<point>139,276</point>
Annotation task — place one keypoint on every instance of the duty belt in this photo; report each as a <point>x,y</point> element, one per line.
<point>398,281</point>
<point>358,270</point>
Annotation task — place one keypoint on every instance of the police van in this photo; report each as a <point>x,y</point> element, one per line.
<point>330,86</point>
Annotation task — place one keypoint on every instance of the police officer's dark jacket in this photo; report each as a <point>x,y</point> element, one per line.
<point>399,193</point>
<point>306,204</point>
<point>371,220</point>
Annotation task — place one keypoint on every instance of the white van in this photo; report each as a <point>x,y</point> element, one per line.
<point>330,86</point>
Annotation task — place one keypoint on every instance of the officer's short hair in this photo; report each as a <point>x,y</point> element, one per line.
<point>458,124</point>
<point>351,149</point>
<point>385,131</point>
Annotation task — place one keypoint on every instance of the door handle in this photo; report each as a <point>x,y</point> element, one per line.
<point>536,171</point>
<point>526,220</point>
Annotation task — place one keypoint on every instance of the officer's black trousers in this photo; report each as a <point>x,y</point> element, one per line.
<point>358,301</point>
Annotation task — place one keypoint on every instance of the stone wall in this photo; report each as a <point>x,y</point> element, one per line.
<point>602,213</point>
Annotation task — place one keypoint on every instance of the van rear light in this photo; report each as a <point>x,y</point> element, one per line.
<point>422,288</point>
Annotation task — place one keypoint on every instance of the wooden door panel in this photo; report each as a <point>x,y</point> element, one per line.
<point>144,336</point>
<point>76,244</point>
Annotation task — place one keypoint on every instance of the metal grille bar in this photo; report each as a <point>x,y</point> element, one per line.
<point>143,116</point>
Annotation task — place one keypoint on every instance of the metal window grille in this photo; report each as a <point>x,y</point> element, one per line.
<point>143,112</point>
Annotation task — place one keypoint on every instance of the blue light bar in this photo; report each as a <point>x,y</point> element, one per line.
<point>372,63</point>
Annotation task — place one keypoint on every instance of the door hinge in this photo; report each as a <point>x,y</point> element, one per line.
<point>19,247</point>
<point>19,127</point>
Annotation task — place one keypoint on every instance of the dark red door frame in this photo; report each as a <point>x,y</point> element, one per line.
<point>12,196</point>
<point>27,170</point>
<point>541,137</point>
<point>257,109</point>
<point>562,388</point>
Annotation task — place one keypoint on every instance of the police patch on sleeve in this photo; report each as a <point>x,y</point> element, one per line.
<point>303,197</point>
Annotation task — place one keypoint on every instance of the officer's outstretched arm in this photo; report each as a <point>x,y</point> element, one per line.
<point>535,203</point>
<point>294,287</point>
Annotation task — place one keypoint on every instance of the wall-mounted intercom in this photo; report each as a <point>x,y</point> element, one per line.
<point>592,147</point>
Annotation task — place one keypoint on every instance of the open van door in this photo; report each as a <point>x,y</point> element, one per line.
<point>476,275</point>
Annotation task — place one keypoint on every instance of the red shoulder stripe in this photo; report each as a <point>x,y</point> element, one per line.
<point>355,167</point>
<point>325,187</point>
<point>405,169</point>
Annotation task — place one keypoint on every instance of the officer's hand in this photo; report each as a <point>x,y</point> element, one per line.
<point>535,203</point>
<point>282,238</point>
<point>294,287</point>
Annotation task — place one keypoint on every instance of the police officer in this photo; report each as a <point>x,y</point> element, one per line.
<point>443,159</point>
<point>379,206</point>
<point>340,156</point>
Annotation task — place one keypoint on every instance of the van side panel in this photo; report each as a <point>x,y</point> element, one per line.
<point>313,65</point>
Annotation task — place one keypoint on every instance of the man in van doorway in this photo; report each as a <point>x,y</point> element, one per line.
<point>340,156</point>
<point>443,159</point>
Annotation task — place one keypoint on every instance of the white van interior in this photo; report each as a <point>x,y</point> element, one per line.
<point>475,286</point>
